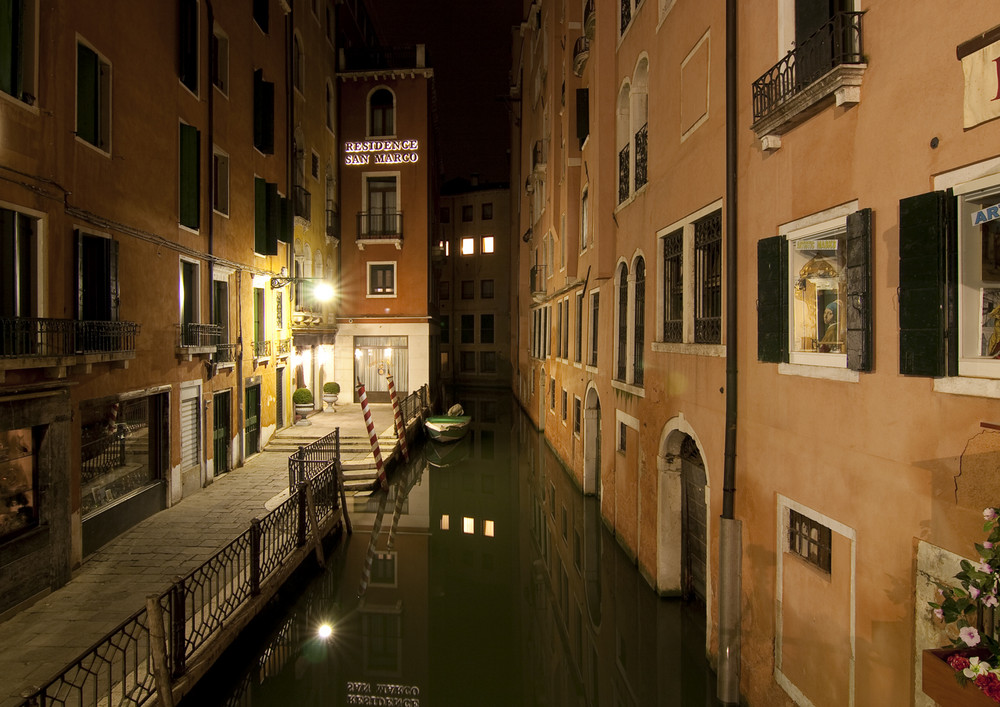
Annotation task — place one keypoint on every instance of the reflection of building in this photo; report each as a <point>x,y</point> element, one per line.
<point>387,193</point>
<point>472,264</point>
<point>865,306</point>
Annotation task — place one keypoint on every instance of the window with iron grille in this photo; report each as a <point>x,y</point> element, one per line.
<point>626,15</point>
<point>565,404</point>
<point>578,356</point>
<point>577,415</point>
<point>641,140</point>
<point>809,539</point>
<point>622,322</point>
<point>708,279</point>
<point>673,286</point>
<point>595,303</point>
<point>623,174</point>
<point>640,325</point>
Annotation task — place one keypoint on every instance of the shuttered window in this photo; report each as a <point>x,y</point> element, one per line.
<point>772,300</point>
<point>263,113</point>
<point>259,216</point>
<point>188,43</point>
<point>189,433</point>
<point>859,338</point>
<point>190,182</point>
<point>93,98</point>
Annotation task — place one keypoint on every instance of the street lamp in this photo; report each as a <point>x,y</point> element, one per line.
<point>322,290</point>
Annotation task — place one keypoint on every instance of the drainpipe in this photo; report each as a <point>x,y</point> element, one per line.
<point>730,529</point>
<point>241,422</point>
<point>210,156</point>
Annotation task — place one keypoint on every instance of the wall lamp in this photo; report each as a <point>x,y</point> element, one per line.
<point>322,290</point>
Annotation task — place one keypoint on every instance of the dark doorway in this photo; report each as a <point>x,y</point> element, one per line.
<point>220,432</point>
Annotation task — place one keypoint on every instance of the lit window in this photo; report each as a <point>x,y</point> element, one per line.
<point>468,246</point>
<point>445,522</point>
<point>487,244</point>
<point>468,526</point>
<point>488,529</point>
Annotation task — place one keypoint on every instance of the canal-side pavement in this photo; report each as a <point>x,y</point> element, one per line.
<point>113,583</point>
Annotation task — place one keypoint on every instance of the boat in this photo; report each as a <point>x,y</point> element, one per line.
<point>442,455</point>
<point>450,427</point>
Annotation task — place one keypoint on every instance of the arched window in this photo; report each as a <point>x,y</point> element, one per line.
<point>621,358</point>
<point>639,328</point>
<point>624,137</point>
<point>382,119</point>
<point>639,119</point>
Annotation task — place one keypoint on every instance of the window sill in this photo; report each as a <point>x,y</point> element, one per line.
<point>716,350</point>
<point>845,375</point>
<point>977,387</point>
<point>636,390</point>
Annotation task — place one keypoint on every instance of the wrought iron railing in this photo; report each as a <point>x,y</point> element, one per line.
<point>224,353</point>
<point>312,458</point>
<point>119,669</point>
<point>332,223</point>
<point>196,334</point>
<point>589,19</point>
<point>24,337</point>
<point>626,15</point>
<point>839,41</point>
<point>102,455</point>
<point>261,349</point>
<point>537,279</point>
<point>380,224</point>
<point>641,139</point>
<point>284,347</point>
<point>623,174</point>
<point>303,202</point>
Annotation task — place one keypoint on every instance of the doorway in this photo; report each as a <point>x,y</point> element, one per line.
<point>252,424</point>
<point>222,404</point>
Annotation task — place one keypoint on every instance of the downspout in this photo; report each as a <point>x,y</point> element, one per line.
<point>730,529</point>
<point>209,157</point>
<point>289,139</point>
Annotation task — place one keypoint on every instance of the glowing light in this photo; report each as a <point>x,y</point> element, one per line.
<point>468,525</point>
<point>325,631</point>
<point>387,352</point>
<point>357,353</point>
<point>468,246</point>
<point>488,244</point>
<point>323,291</point>
<point>488,528</point>
<point>445,522</point>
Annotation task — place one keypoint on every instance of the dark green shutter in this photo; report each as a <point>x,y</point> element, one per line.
<point>113,283</point>
<point>187,68</point>
<point>582,114</point>
<point>78,242</point>
<point>273,218</point>
<point>12,47</point>
<point>259,216</point>
<point>859,290</point>
<point>927,285</point>
<point>772,300</point>
<point>87,94</point>
<point>190,187</point>
<point>286,232</point>
<point>263,113</point>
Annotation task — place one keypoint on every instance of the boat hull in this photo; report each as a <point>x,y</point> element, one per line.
<point>445,428</point>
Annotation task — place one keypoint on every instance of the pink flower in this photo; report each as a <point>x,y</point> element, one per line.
<point>984,567</point>
<point>969,635</point>
<point>990,600</point>
<point>990,514</point>
<point>974,592</point>
<point>987,545</point>
<point>939,613</point>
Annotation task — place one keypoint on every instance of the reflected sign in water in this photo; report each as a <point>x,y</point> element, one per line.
<point>482,577</point>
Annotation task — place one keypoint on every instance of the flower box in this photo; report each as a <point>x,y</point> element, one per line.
<point>940,684</point>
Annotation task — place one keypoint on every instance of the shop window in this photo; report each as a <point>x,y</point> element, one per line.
<point>18,482</point>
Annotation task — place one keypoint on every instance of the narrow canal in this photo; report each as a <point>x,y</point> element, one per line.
<point>491,582</point>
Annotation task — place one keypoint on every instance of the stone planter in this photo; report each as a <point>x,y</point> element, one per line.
<point>303,409</point>
<point>330,399</point>
<point>938,682</point>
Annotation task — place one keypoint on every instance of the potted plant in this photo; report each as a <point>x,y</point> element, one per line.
<point>330,392</point>
<point>303,400</point>
<point>967,612</point>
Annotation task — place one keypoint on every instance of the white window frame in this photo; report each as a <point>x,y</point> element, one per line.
<point>105,82</point>
<point>220,186</point>
<point>395,279</point>
<point>29,59</point>
<point>221,60</point>
<point>488,245</point>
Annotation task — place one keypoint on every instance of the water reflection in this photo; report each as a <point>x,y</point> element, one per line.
<point>494,583</point>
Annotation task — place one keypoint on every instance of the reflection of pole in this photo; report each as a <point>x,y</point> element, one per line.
<point>396,512</point>
<point>398,421</point>
<point>372,436</point>
<point>366,571</point>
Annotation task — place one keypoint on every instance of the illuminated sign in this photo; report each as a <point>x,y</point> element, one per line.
<point>380,694</point>
<point>381,152</point>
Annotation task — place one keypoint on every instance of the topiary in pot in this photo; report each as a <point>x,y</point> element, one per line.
<point>332,388</point>
<point>302,396</point>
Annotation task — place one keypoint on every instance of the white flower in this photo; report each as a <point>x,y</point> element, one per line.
<point>990,514</point>
<point>970,636</point>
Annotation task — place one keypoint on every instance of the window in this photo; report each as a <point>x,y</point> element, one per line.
<point>189,304</point>
<point>552,394</point>
<point>639,317</point>
<point>488,362</point>
<point>381,279</point>
<point>96,278</point>
<point>467,213</point>
<point>445,290</point>
<point>577,415</point>
<point>382,217</point>
<point>220,309</point>
<point>813,292</point>
<point>621,351</point>
<point>638,117</point>
<point>445,329</point>
<point>468,322</point>
<point>578,354</point>
<point>381,113</point>
<point>584,221</point>
<point>188,44</point>
<point>564,405</point>
<point>708,279</point>
<point>260,13</point>
<point>673,285</point>
<point>622,436</point>
<point>219,60</point>
<point>467,362</point>
<point>272,218</point>
<point>18,241</point>
<point>279,314</point>
<point>18,49</point>
<point>93,98</point>
<point>331,108</point>
<point>487,244</point>
<point>582,115</point>
<point>298,64</point>
<point>468,289</point>
<point>559,328</point>
<point>623,132</point>
<point>220,181</point>
<point>468,246</point>
<point>314,165</point>
<point>809,540</point>
<point>263,112</point>
<point>487,211</point>
<point>595,302</point>
<point>485,328</point>
<point>486,288</point>
<point>565,333</point>
<point>190,176</point>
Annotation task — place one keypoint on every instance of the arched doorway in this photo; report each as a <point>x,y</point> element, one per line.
<point>694,522</point>
<point>592,443</point>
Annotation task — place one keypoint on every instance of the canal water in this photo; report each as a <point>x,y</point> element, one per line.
<point>484,577</point>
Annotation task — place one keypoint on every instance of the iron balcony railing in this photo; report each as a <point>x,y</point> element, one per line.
<point>195,334</point>
<point>29,337</point>
<point>380,224</point>
<point>589,19</point>
<point>332,223</point>
<point>224,353</point>
<point>623,175</point>
<point>641,140</point>
<point>261,349</point>
<point>839,41</point>
<point>303,202</point>
<point>284,347</point>
<point>537,279</point>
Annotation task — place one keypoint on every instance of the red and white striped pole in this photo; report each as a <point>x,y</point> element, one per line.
<point>366,569</point>
<point>397,414</point>
<point>372,436</point>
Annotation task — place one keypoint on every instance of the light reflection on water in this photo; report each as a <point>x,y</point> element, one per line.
<point>483,577</point>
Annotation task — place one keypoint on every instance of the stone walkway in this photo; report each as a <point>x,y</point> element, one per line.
<point>112,584</point>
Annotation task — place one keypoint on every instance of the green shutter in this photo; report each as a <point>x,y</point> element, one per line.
<point>286,232</point>
<point>87,93</point>
<point>190,187</point>
<point>259,216</point>
<point>927,285</point>
<point>273,218</point>
<point>11,46</point>
<point>187,68</point>
<point>859,290</point>
<point>772,300</point>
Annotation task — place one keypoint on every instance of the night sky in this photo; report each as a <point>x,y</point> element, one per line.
<point>468,46</point>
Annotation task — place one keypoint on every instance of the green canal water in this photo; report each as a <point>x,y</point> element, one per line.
<point>484,577</point>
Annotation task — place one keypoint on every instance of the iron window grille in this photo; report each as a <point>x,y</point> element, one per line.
<point>641,138</point>
<point>708,279</point>
<point>673,286</point>
<point>622,324</point>
<point>623,174</point>
<point>640,317</point>
<point>809,540</point>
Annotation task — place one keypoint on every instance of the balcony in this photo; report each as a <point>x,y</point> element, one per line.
<point>224,353</point>
<point>284,347</point>
<point>537,280</point>
<point>332,224</point>
<point>581,52</point>
<point>380,227</point>
<point>830,62</point>
<point>303,203</point>
<point>623,175</point>
<point>261,349</point>
<point>58,344</point>
<point>194,338</point>
<point>589,20</point>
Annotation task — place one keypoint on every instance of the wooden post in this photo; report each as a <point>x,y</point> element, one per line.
<point>158,646</point>
<point>317,536</point>
<point>343,498</point>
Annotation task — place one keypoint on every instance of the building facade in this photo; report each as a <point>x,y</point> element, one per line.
<point>865,432</point>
